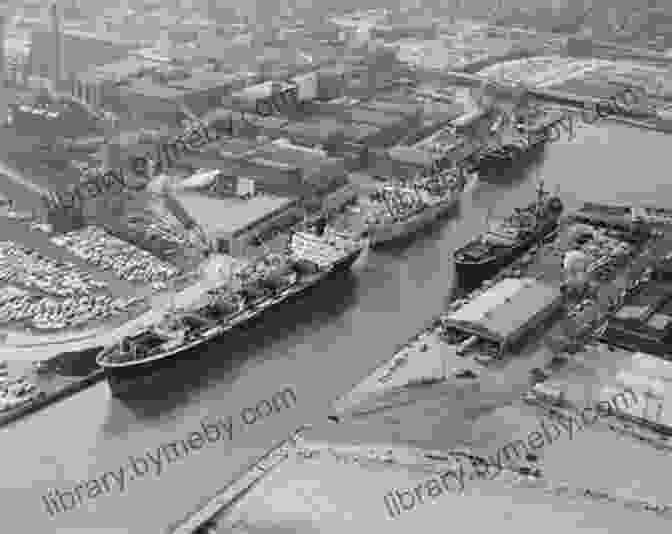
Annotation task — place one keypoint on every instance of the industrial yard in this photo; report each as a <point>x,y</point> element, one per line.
<point>199,203</point>
<point>430,407</point>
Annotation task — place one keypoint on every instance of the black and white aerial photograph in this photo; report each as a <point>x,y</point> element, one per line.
<point>295,267</point>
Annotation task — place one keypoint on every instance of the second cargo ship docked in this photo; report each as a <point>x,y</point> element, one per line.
<point>395,212</point>
<point>528,136</point>
<point>312,257</point>
<point>496,248</point>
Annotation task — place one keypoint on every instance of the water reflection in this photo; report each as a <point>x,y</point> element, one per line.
<point>323,345</point>
<point>228,359</point>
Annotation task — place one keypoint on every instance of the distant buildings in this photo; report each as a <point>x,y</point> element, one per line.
<point>62,57</point>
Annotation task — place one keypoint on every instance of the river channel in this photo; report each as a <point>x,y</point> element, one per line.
<point>320,346</point>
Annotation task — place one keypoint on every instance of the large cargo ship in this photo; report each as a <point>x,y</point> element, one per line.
<point>395,212</point>
<point>528,138</point>
<point>311,257</point>
<point>507,239</point>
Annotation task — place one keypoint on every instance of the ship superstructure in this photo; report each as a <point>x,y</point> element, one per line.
<point>245,294</point>
<point>522,136</point>
<point>396,211</point>
<point>507,238</point>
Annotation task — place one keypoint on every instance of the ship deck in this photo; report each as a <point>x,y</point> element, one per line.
<point>421,406</point>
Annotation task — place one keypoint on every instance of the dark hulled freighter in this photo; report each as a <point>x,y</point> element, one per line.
<point>527,139</point>
<point>273,279</point>
<point>507,239</point>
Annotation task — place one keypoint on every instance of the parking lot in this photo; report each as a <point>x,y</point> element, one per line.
<point>125,260</point>
<point>27,267</point>
<point>19,306</point>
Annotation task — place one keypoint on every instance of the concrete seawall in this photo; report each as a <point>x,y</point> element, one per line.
<point>46,400</point>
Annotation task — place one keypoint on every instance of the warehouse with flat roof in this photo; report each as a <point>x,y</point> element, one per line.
<point>232,224</point>
<point>506,312</point>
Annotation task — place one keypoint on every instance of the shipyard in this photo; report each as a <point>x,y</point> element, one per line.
<point>447,227</point>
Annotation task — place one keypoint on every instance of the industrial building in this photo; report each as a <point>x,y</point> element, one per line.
<point>375,128</point>
<point>162,95</point>
<point>648,377</point>
<point>408,109</point>
<point>644,320</point>
<point>441,150</point>
<point>233,224</point>
<point>506,312</point>
<point>406,162</point>
<point>57,54</point>
<point>275,97</point>
<point>52,121</point>
<point>279,168</point>
<point>323,131</point>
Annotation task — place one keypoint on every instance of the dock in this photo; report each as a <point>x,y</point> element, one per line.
<point>413,415</point>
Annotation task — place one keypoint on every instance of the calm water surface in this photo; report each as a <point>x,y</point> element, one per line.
<point>320,346</point>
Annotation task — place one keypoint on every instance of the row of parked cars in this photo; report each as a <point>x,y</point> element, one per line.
<point>49,313</point>
<point>127,261</point>
<point>27,267</point>
<point>15,391</point>
<point>159,228</point>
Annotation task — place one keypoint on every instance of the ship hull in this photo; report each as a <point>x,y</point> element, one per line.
<point>470,274</point>
<point>381,234</point>
<point>123,379</point>
<point>496,170</point>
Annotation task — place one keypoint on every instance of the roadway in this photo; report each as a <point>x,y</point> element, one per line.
<point>25,193</point>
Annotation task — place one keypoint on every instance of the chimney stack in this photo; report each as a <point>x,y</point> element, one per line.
<point>58,74</point>
<point>3,57</point>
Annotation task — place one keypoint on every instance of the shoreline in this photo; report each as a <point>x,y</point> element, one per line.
<point>10,416</point>
<point>72,352</point>
<point>217,505</point>
<point>653,124</point>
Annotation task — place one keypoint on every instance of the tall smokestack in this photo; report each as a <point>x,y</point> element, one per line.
<point>3,58</point>
<point>58,74</point>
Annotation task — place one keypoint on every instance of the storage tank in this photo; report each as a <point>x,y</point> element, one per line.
<point>575,264</point>
<point>257,92</point>
<point>307,86</point>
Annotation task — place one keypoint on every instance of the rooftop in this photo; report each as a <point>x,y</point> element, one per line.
<point>321,129</point>
<point>402,108</point>
<point>121,69</point>
<point>375,118</point>
<point>358,132</point>
<point>81,51</point>
<point>229,215</point>
<point>289,154</point>
<point>644,321</point>
<point>239,146</point>
<point>202,80</point>
<point>501,311</point>
<point>413,155</point>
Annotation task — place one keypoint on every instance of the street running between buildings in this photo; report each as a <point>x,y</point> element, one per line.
<point>154,462</point>
<point>550,428</point>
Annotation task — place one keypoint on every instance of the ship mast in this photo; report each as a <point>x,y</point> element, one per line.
<point>387,202</point>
